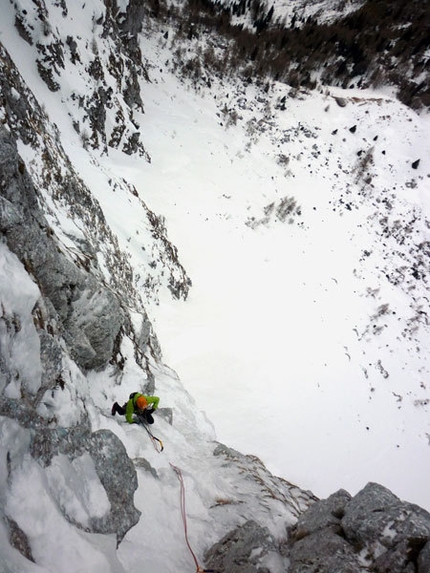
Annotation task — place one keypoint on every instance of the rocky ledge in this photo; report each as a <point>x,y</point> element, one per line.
<point>372,531</point>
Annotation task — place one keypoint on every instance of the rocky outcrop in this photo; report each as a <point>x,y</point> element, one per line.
<point>113,467</point>
<point>391,532</point>
<point>90,316</point>
<point>77,447</point>
<point>18,538</point>
<point>78,310</point>
<point>372,531</point>
<point>115,33</point>
<point>61,193</point>
<point>75,303</point>
<point>243,550</point>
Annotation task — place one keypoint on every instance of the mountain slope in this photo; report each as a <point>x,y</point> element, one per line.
<point>366,44</point>
<point>323,302</point>
<point>303,227</point>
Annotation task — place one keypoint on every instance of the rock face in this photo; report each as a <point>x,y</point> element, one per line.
<point>78,446</point>
<point>252,545</point>
<point>72,271</point>
<point>372,531</point>
<point>113,467</point>
<point>61,193</point>
<point>73,318</point>
<point>90,315</point>
<point>56,51</point>
<point>82,300</point>
<point>76,309</point>
<point>85,314</point>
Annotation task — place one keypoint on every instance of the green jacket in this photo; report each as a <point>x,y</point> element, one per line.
<point>131,407</point>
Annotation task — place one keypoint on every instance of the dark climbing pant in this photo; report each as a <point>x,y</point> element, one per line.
<point>117,409</point>
<point>144,416</point>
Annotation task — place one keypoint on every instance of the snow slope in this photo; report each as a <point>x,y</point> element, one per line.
<point>303,338</point>
<point>221,489</point>
<point>303,341</point>
<point>293,340</point>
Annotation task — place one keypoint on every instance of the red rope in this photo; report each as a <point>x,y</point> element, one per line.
<point>184,516</point>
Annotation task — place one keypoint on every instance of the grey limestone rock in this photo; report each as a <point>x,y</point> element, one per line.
<point>375,510</point>
<point>424,559</point>
<point>90,315</point>
<point>242,550</point>
<point>18,539</point>
<point>372,529</point>
<point>51,357</point>
<point>367,513</point>
<point>318,542</point>
<point>21,412</point>
<point>401,529</point>
<point>118,476</point>
<point>123,69</point>
<point>114,469</point>
<point>324,551</point>
<point>323,514</point>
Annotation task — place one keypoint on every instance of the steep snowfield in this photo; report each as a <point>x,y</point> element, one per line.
<point>294,342</point>
<point>221,487</point>
<point>293,339</point>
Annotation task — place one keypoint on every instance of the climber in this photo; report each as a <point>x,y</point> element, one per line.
<point>139,404</point>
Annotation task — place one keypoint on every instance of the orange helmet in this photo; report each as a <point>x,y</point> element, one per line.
<point>141,402</point>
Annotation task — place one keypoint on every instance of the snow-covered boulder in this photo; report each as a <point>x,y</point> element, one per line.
<point>372,529</point>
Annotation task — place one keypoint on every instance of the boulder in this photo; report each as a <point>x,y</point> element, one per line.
<point>372,529</point>
<point>392,531</point>
<point>242,550</point>
<point>324,551</point>
<point>324,514</point>
<point>114,469</point>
